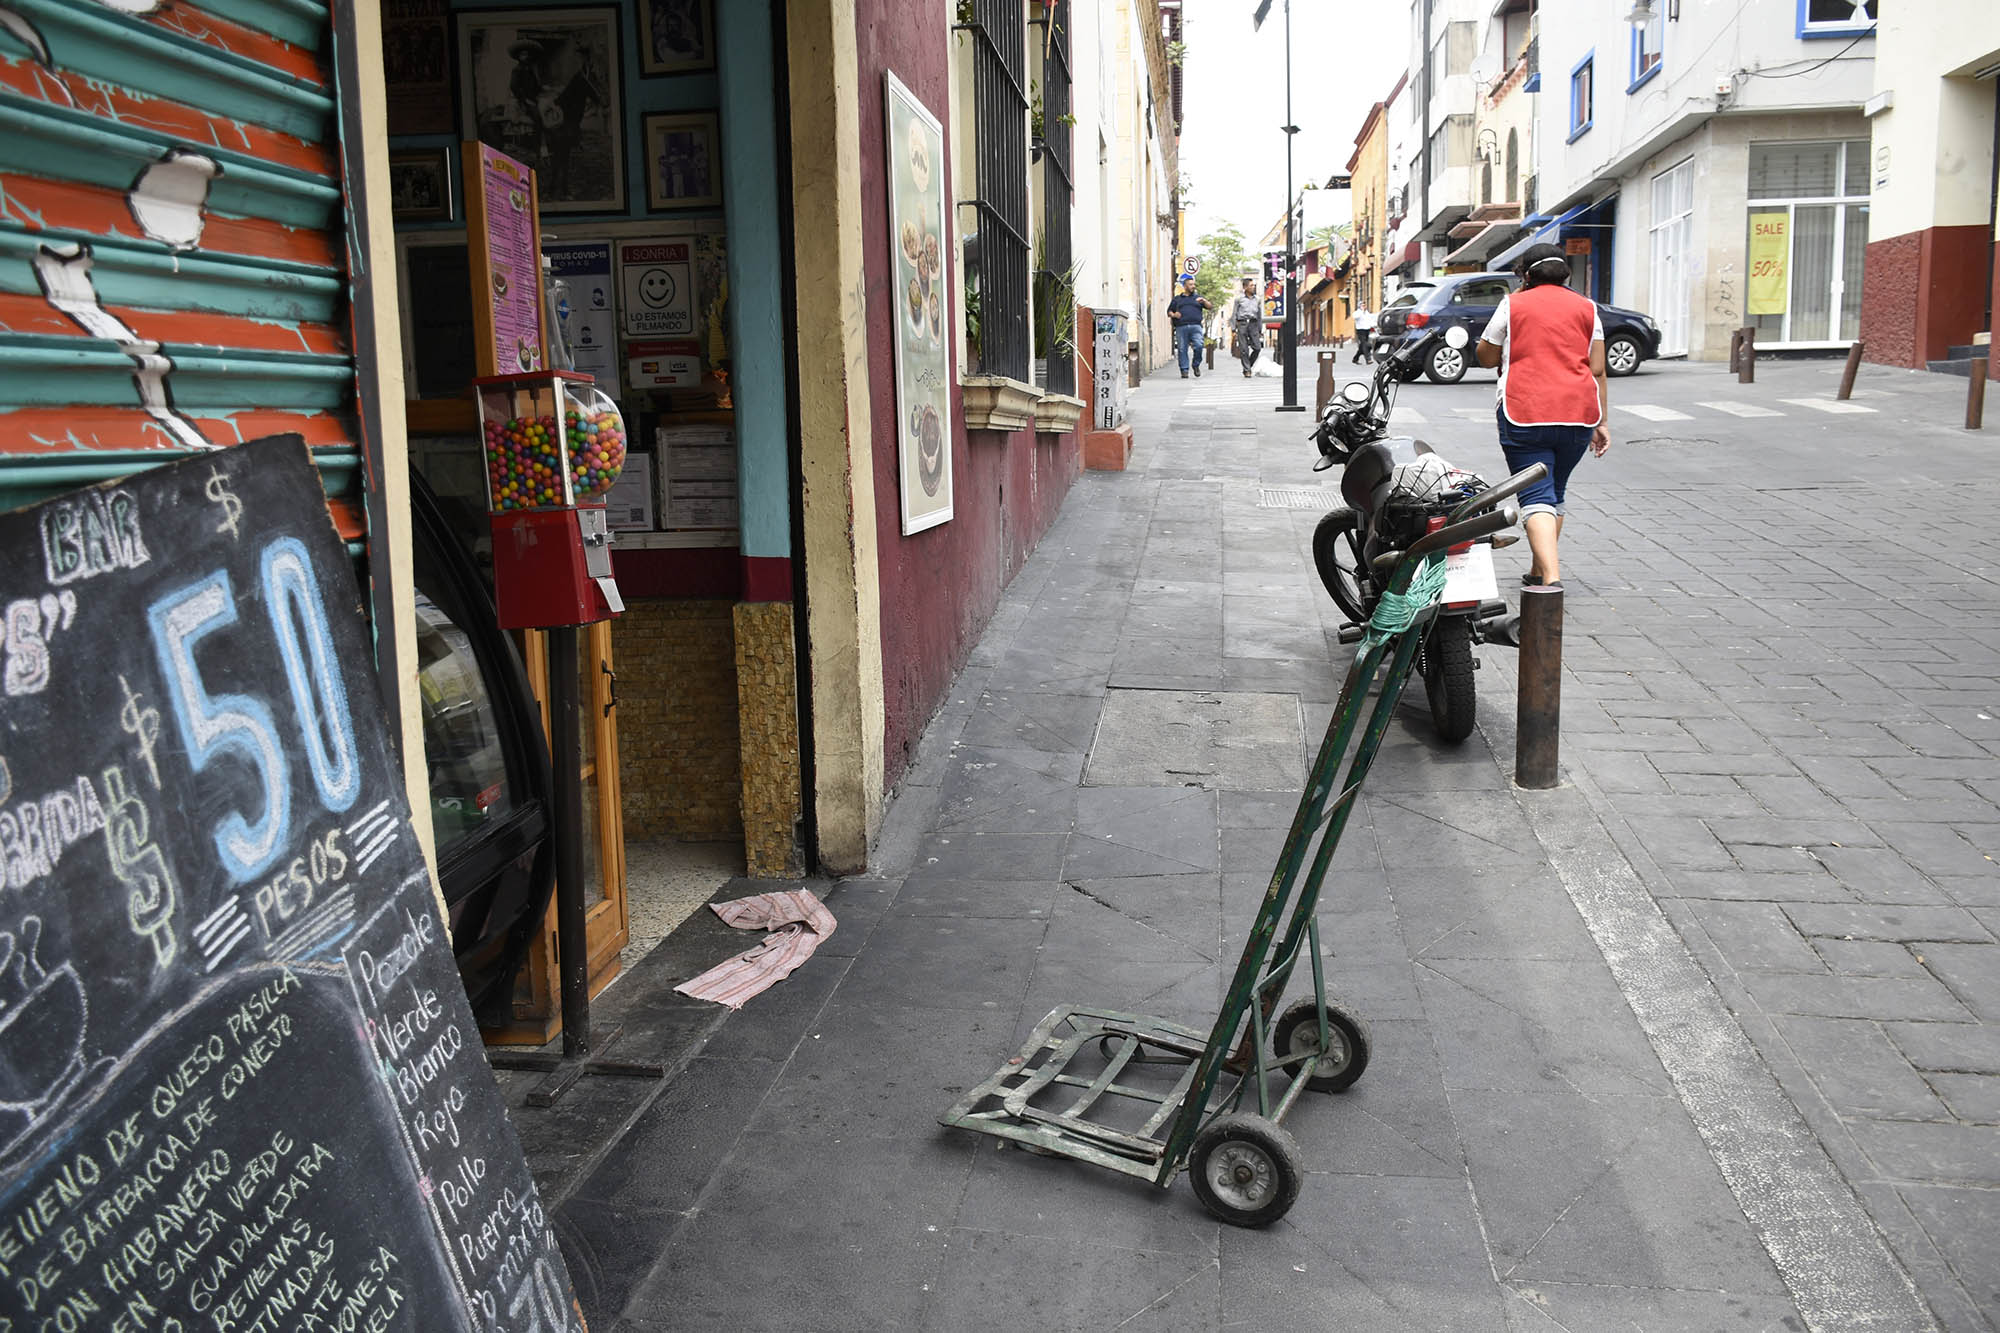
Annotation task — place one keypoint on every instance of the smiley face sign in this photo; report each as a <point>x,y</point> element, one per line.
<point>657,279</point>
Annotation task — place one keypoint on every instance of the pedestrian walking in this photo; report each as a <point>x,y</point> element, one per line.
<point>1554,400</point>
<point>1186,311</point>
<point>1246,318</point>
<point>1364,333</point>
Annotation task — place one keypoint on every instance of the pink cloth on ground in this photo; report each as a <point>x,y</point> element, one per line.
<point>797,920</point>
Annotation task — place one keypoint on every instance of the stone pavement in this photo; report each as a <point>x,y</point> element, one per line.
<point>1707,1038</point>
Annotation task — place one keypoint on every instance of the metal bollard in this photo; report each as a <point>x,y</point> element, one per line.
<point>1538,700</point>
<point>1323,391</point>
<point>1735,350</point>
<point>1211,354</point>
<point>1746,367</point>
<point>1847,375</point>
<point>1975,392</point>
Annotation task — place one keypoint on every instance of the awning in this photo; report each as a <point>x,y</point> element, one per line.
<point>1541,233</point>
<point>1411,254</point>
<point>1449,216</point>
<point>1489,237</point>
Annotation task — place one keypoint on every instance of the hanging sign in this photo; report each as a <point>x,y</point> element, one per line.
<point>1770,255</point>
<point>240,1086</point>
<point>656,283</point>
<point>590,316</point>
<point>502,234</point>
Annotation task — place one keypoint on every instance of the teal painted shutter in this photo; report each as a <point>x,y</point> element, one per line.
<point>173,268</point>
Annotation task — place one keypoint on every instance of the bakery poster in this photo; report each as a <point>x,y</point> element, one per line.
<point>922,313</point>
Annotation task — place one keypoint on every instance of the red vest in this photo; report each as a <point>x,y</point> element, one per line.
<point>1548,358</point>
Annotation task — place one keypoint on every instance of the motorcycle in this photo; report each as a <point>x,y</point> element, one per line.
<point>1397,489</point>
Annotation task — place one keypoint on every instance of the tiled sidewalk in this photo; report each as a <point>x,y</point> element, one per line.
<point>1092,817</point>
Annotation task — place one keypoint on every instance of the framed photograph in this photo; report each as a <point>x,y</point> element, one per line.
<point>420,185</point>
<point>676,36</point>
<point>683,162</point>
<point>920,299</point>
<point>541,85</point>
<point>416,57</point>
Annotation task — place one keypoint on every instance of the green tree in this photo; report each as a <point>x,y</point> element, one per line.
<point>1222,260</point>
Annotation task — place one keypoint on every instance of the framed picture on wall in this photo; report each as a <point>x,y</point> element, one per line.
<point>676,36</point>
<point>420,184</point>
<point>416,58</point>
<point>920,299</point>
<point>683,162</point>
<point>541,85</point>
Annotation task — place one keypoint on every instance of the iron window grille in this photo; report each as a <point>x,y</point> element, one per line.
<point>1055,282</point>
<point>1000,142</point>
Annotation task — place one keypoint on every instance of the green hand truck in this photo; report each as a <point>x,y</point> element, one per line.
<point>1244,1165</point>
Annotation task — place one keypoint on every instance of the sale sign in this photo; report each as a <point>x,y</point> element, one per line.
<point>1770,256</point>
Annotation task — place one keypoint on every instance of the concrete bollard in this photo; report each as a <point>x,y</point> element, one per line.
<point>1746,363</point>
<point>1538,699</point>
<point>1323,391</point>
<point>1847,375</point>
<point>1975,392</point>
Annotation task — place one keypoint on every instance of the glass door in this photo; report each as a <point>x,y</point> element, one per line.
<point>1673,234</point>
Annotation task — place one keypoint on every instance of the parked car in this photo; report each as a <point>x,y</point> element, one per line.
<point>1389,323</point>
<point>1468,300</point>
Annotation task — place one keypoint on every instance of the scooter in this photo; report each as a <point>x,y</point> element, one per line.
<point>1397,490</point>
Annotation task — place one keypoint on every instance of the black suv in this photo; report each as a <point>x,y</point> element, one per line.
<point>1469,300</point>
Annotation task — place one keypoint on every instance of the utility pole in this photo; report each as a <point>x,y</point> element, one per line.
<point>1288,333</point>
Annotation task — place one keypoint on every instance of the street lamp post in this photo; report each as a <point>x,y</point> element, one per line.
<point>1288,332</point>
<point>1288,335</point>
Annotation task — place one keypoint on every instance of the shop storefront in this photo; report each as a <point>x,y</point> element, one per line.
<point>223,226</point>
<point>1806,235</point>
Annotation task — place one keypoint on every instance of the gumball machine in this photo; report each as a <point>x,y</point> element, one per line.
<point>554,444</point>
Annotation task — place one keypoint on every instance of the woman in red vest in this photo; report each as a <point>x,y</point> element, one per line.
<point>1554,401</point>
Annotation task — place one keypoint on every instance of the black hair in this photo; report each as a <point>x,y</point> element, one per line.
<point>1543,263</point>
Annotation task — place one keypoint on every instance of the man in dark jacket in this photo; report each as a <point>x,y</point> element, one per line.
<point>1187,311</point>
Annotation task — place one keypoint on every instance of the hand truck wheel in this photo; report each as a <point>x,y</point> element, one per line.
<point>1246,1170</point>
<point>1297,1034</point>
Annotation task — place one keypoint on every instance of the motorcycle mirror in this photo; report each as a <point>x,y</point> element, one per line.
<point>1456,336</point>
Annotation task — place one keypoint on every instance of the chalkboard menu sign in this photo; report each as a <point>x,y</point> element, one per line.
<point>240,1088</point>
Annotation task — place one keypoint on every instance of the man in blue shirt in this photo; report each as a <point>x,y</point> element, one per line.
<point>1187,312</point>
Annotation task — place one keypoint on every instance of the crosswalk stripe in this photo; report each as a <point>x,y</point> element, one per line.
<point>1742,409</point>
<point>1473,413</point>
<point>1408,416</point>
<point>1826,405</point>
<point>1653,413</point>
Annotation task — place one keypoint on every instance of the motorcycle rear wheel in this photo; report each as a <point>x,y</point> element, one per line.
<point>1337,556</point>
<point>1448,677</point>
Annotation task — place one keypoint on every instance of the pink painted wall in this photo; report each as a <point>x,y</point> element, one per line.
<point>939,587</point>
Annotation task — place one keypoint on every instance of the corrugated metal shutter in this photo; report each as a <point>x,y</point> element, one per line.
<point>173,275</point>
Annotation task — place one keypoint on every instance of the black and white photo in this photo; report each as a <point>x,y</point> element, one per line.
<point>683,165</point>
<point>676,36</point>
<point>541,85</point>
<point>420,185</point>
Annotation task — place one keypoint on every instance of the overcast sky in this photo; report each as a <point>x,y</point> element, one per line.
<point>1346,56</point>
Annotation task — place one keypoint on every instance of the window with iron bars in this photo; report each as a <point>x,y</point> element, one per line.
<point>998,256</point>
<point>1055,281</point>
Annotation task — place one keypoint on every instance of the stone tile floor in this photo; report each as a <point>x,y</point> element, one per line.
<point>1705,1038</point>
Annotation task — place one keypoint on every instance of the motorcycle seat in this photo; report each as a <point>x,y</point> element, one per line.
<point>1365,480</point>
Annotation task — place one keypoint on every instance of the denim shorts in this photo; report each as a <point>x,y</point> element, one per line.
<point>1560,448</point>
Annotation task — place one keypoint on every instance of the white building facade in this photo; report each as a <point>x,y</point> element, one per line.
<point>1710,166</point>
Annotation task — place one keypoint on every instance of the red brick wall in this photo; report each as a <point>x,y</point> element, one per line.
<point>1920,295</point>
<point>939,587</point>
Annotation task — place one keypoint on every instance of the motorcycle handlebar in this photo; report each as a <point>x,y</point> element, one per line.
<point>1493,495</point>
<point>1404,563</point>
